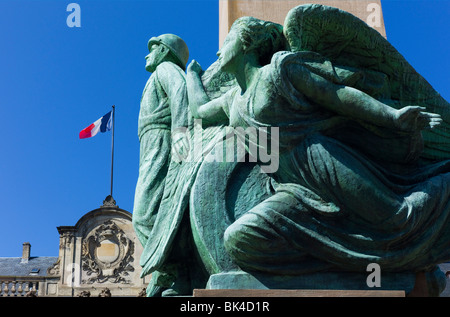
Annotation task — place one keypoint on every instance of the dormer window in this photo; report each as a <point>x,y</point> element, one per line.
<point>34,272</point>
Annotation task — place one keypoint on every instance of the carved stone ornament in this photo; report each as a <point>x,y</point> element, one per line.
<point>107,255</point>
<point>55,269</point>
<point>109,202</point>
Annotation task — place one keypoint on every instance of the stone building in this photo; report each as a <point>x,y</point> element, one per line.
<point>26,275</point>
<point>99,253</point>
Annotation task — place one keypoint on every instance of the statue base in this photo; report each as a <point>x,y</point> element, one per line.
<point>324,284</point>
<point>323,280</point>
<point>293,293</point>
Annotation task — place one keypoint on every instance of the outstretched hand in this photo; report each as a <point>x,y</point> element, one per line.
<point>413,118</point>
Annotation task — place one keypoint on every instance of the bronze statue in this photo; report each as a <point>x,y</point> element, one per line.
<point>164,108</point>
<point>363,159</point>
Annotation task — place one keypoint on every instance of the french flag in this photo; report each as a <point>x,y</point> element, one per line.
<point>101,125</point>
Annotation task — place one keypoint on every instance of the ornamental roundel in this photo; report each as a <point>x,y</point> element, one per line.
<point>107,255</point>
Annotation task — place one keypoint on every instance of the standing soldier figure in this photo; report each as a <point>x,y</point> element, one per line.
<point>164,108</point>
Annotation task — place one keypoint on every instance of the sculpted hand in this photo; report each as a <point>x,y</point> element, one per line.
<point>413,118</point>
<point>195,67</point>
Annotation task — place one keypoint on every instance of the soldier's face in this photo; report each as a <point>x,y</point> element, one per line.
<point>155,57</point>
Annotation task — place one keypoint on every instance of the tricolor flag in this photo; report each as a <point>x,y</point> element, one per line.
<point>103,124</point>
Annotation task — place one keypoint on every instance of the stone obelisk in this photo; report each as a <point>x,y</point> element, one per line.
<point>369,11</point>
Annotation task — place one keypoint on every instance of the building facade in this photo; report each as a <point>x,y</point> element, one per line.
<point>98,255</point>
<point>26,275</point>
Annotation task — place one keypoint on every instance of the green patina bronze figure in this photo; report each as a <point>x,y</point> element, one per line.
<point>363,162</point>
<point>164,108</point>
<point>164,105</point>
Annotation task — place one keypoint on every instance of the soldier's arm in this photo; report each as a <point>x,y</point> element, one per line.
<point>173,82</point>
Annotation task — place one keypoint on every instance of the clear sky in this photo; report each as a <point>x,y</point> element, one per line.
<point>56,80</point>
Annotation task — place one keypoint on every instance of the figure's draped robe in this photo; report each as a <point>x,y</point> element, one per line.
<point>337,204</point>
<point>164,106</point>
<point>342,197</point>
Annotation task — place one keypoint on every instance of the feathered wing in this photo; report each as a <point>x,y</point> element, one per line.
<point>365,60</point>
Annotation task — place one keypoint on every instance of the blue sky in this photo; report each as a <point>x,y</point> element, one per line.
<point>56,80</point>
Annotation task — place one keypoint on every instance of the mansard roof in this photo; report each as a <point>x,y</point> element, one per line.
<point>35,266</point>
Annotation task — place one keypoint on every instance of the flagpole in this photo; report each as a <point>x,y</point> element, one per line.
<point>112,147</point>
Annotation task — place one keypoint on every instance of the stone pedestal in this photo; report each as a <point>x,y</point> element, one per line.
<point>314,281</point>
<point>293,293</point>
<point>323,284</point>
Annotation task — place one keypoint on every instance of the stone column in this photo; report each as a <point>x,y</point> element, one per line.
<point>68,268</point>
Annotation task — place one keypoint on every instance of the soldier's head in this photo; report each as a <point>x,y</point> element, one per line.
<point>166,47</point>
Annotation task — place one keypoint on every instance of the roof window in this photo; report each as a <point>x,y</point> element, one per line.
<point>34,272</point>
